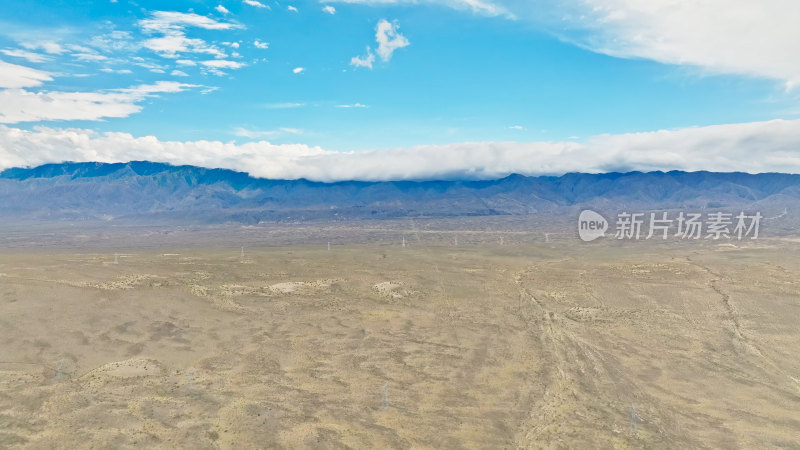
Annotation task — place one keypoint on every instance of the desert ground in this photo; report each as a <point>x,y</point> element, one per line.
<point>176,338</point>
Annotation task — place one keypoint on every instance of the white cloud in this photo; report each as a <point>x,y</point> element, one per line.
<point>329,9</point>
<point>298,70</point>
<point>750,147</point>
<point>16,76</point>
<point>516,127</point>
<point>291,8</point>
<point>221,9</point>
<point>179,73</point>
<point>744,37</point>
<point>30,56</point>
<point>185,62</point>
<point>120,71</point>
<point>363,61</point>
<point>21,148</point>
<point>261,45</point>
<point>50,47</point>
<point>483,7</point>
<point>389,39</point>
<point>91,57</point>
<point>222,64</point>
<point>172,45</point>
<point>353,105</point>
<point>113,42</point>
<point>255,3</point>
<point>150,66</point>
<point>19,105</point>
<point>215,66</point>
<point>721,36</point>
<point>173,40</point>
<point>169,21</point>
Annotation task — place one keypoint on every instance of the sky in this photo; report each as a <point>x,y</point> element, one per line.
<point>403,89</point>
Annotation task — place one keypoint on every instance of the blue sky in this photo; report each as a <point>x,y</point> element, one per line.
<point>371,75</point>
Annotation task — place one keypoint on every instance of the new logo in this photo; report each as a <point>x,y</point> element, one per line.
<point>591,225</point>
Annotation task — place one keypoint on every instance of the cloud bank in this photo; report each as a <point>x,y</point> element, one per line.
<point>772,146</point>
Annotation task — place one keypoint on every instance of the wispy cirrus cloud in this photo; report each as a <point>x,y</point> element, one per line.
<point>171,21</point>
<point>255,3</point>
<point>482,7</point>
<point>119,71</point>
<point>29,56</point>
<point>13,76</point>
<point>20,105</point>
<point>51,47</point>
<point>173,42</point>
<point>222,64</point>
<point>216,66</point>
<point>174,45</point>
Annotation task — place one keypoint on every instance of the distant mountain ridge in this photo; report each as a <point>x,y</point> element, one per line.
<point>147,191</point>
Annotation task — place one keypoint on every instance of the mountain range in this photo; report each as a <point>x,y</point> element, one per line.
<point>147,192</point>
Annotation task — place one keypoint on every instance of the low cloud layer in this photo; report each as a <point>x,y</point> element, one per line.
<point>772,146</point>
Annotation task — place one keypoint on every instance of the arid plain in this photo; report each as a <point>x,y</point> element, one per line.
<point>165,338</point>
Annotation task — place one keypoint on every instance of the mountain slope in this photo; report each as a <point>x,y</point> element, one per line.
<point>146,191</point>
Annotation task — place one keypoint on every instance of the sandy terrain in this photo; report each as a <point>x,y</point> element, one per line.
<point>532,345</point>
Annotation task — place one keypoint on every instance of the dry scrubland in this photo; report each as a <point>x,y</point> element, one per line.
<point>371,345</point>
